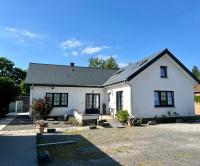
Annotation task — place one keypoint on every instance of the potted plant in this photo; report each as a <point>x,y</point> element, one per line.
<point>42,124</point>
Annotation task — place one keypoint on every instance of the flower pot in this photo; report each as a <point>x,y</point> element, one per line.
<point>41,129</point>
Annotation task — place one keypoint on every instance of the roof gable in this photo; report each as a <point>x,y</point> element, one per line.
<point>133,70</point>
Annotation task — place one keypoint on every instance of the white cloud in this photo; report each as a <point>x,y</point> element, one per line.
<point>17,33</point>
<point>71,43</point>
<point>74,46</point>
<point>21,36</point>
<point>123,64</point>
<point>92,50</point>
<point>106,56</point>
<point>74,53</point>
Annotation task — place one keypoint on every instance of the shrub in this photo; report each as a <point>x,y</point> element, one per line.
<point>197,99</point>
<point>42,107</point>
<point>122,116</point>
<point>73,121</point>
<point>8,92</point>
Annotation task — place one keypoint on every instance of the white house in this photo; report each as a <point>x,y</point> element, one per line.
<point>150,87</point>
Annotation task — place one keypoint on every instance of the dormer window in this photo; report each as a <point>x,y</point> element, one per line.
<point>163,71</point>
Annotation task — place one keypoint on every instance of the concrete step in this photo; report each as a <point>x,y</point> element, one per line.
<point>114,123</point>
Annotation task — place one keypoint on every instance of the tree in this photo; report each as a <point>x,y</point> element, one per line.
<point>9,90</point>
<point>8,69</point>
<point>19,75</point>
<point>24,89</point>
<point>196,71</point>
<point>109,63</point>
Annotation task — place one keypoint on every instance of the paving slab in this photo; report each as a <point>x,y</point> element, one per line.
<point>5,121</point>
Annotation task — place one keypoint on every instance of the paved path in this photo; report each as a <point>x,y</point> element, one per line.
<point>17,147</point>
<point>5,121</point>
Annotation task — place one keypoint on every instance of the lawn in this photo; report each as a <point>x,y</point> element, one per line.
<point>165,144</point>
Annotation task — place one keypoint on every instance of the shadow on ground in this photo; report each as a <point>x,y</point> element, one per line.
<point>83,152</point>
<point>18,150</point>
<point>22,122</point>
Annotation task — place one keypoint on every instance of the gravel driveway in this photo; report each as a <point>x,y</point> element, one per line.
<point>164,144</point>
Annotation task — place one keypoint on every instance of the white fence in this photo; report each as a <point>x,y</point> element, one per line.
<point>16,106</point>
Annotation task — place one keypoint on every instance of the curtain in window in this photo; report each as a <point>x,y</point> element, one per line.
<point>156,98</point>
<point>170,98</point>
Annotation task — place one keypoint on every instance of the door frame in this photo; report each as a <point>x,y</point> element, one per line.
<point>92,101</point>
<point>118,101</point>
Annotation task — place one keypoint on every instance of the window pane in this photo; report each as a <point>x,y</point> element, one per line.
<point>96,101</point>
<point>156,99</point>
<point>163,71</point>
<point>163,98</point>
<point>170,98</point>
<point>56,99</point>
<point>49,97</point>
<point>119,98</point>
<point>88,101</point>
<point>64,98</point>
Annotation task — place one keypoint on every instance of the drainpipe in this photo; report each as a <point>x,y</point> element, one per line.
<point>131,95</point>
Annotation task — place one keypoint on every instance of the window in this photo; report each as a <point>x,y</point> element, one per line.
<point>163,71</point>
<point>119,100</point>
<point>58,99</point>
<point>109,94</point>
<point>164,98</point>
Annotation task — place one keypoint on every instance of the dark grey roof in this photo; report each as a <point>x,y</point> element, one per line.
<point>124,73</point>
<point>85,76</point>
<point>46,74</point>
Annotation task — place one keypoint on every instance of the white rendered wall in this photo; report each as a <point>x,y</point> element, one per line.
<point>76,97</point>
<point>146,82</point>
<point>126,96</point>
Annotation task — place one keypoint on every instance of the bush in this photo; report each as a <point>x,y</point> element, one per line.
<point>73,121</point>
<point>8,92</point>
<point>122,116</point>
<point>42,107</point>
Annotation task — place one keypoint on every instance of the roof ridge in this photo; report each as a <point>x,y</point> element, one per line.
<point>71,66</point>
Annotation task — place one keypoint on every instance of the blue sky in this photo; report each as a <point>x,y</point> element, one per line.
<point>63,31</point>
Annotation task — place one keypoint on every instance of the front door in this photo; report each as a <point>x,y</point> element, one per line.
<point>119,100</point>
<point>92,103</point>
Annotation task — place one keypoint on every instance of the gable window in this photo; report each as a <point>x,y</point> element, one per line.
<point>58,99</point>
<point>164,98</point>
<point>163,71</point>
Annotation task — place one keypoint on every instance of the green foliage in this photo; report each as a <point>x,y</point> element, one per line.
<point>196,71</point>
<point>122,116</point>
<point>8,92</point>
<point>197,99</point>
<point>73,121</point>
<point>24,89</point>
<point>42,107</point>
<point>8,69</point>
<point>109,63</point>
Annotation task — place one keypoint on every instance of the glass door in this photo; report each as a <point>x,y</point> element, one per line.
<point>119,100</point>
<point>92,103</point>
